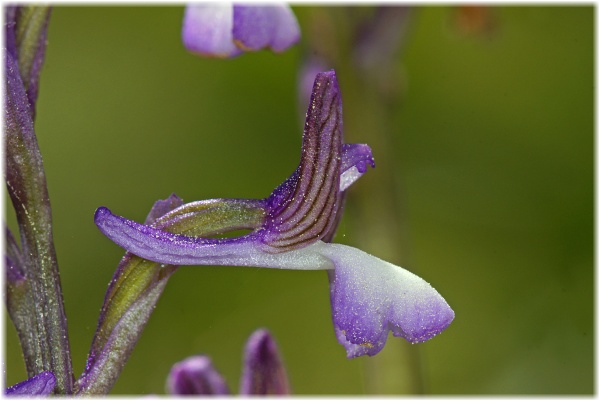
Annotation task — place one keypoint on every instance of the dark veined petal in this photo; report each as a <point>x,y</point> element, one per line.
<point>196,375</point>
<point>263,372</point>
<point>304,207</point>
<point>41,384</point>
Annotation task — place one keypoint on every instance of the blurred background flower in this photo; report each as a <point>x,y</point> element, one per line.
<point>488,146</point>
<point>263,372</point>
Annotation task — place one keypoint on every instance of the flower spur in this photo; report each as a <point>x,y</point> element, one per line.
<point>292,229</point>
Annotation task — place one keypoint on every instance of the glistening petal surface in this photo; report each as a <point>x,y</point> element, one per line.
<point>303,208</point>
<point>164,247</point>
<point>371,297</point>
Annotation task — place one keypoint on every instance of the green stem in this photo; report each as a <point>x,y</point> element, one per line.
<point>378,223</point>
<point>45,339</point>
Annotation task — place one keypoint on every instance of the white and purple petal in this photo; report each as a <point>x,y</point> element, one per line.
<point>355,158</point>
<point>225,30</point>
<point>370,297</point>
<point>207,30</point>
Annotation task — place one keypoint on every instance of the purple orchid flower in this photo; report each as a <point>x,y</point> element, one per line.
<point>226,30</point>
<point>41,384</point>
<point>369,297</point>
<point>263,372</point>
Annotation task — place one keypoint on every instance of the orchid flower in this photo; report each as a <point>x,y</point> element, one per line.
<point>226,30</point>
<point>292,229</point>
<point>263,372</point>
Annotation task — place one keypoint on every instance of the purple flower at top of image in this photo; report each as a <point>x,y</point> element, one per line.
<point>263,372</point>
<point>227,30</point>
<point>293,229</point>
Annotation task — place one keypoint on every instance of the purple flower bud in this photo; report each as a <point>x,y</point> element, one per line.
<point>225,30</point>
<point>196,376</point>
<point>264,372</point>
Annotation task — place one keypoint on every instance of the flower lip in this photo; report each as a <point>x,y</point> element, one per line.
<point>370,297</point>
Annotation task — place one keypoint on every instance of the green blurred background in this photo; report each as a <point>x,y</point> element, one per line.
<point>489,143</point>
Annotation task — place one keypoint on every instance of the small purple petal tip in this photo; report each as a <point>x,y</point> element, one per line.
<point>40,385</point>
<point>264,372</point>
<point>196,376</point>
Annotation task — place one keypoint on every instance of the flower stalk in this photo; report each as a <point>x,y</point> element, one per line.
<point>43,332</point>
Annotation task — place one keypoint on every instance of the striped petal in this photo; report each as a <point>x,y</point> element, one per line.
<point>303,208</point>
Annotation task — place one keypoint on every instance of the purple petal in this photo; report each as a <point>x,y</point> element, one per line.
<point>196,376</point>
<point>354,163</point>
<point>257,27</point>
<point>263,372</point>
<point>370,297</point>
<point>39,385</point>
<point>162,207</point>
<point>164,247</point>
<point>207,30</point>
<point>303,208</point>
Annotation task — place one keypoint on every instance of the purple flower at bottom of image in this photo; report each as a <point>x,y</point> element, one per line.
<point>263,372</point>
